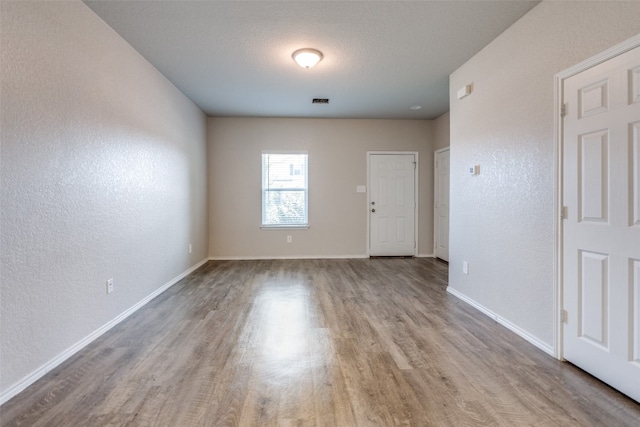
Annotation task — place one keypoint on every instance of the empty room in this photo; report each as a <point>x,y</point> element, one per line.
<point>336,213</point>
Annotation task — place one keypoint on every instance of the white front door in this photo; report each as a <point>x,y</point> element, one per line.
<point>441,204</point>
<point>601,232</point>
<point>392,204</point>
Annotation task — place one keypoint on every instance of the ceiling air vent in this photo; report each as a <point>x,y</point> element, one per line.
<point>320,101</point>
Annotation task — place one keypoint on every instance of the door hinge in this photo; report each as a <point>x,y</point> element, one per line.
<point>564,212</point>
<point>564,316</point>
<point>563,110</point>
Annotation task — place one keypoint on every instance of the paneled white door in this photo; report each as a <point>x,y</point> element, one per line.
<point>441,204</point>
<point>392,204</point>
<point>601,229</point>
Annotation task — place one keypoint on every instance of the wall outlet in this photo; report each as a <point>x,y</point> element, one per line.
<point>190,248</point>
<point>109,286</point>
<point>289,238</point>
<point>465,267</point>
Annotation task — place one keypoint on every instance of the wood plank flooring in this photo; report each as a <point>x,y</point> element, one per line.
<point>367,342</point>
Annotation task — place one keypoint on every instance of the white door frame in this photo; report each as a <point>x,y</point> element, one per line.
<point>415,196</point>
<point>435,188</point>
<point>558,285</point>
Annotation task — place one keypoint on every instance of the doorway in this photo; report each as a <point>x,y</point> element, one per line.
<point>392,206</point>
<point>441,204</point>
<point>599,247</point>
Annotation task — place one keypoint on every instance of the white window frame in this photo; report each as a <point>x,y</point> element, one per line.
<point>264,190</point>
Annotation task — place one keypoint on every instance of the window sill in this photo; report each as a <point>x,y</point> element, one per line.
<point>284,227</point>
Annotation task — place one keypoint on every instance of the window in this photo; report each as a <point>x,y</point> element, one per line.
<point>284,189</point>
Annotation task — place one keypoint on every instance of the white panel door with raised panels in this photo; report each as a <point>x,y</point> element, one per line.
<point>392,204</point>
<point>441,203</point>
<point>601,230</point>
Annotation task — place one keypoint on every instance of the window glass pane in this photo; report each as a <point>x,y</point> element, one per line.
<point>284,189</point>
<point>286,171</point>
<point>285,207</point>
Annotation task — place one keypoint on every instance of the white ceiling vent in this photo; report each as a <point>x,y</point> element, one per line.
<point>320,101</point>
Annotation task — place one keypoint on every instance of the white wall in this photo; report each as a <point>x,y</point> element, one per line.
<point>103,176</point>
<point>441,131</point>
<point>502,219</point>
<point>337,164</point>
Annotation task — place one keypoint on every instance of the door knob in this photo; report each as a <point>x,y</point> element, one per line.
<point>373,210</point>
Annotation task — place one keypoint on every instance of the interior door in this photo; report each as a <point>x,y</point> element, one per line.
<point>601,230</point>
<point>441,204</point>
<point>392,204</point>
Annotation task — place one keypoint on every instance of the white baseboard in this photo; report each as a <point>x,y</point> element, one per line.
<point>53,363</point>
<point>252,258</point>
<point>504,322</point>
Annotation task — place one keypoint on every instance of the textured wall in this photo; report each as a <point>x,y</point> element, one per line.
<point>337,163</point>
<point>441,132</point>
<point>502,219</point>
<point>103,176</point>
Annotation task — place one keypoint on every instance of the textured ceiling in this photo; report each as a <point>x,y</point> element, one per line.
<point>233,58</point>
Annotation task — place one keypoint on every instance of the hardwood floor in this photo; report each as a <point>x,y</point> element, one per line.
<point>315,343</point>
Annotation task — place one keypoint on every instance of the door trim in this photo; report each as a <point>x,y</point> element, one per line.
<point>415,196</point>
<point>435,188</point>
<point>632,43</point>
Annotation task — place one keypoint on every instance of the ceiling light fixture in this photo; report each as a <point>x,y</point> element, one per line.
<point>307,57</point>
<point>416,107</point>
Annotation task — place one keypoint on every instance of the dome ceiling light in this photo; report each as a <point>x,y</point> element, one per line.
<point>307,57</point>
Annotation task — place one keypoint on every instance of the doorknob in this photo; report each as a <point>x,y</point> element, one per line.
<point>373,203</point>
<point>373,210</point>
